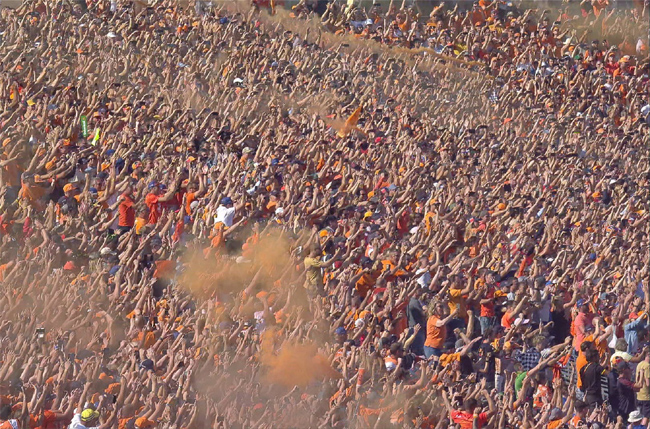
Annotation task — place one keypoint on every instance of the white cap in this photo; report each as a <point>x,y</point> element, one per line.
<point>279,211</point>
<point>111,34</point>
<point>194,204</point>
<point>105,251</point>
<point>520,321</point>
<point>359,323</point>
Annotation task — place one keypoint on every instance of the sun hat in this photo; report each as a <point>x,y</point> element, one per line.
<point>635,416</point>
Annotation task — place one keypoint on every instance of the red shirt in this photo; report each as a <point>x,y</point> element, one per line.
<point>465,419</point>
<point>126,211</point>
<point>151,200</point>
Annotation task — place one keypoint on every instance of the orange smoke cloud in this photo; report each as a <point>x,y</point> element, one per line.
<point>294,364</point>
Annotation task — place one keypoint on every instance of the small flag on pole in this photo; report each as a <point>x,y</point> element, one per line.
<point>84,126</point>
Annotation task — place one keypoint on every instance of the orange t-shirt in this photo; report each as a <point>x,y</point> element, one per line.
<point>581,360</point>
<point>367,282</point>
<point>457,300</point>
<point>49,421</point>
<point>151,200</point>
<point>126,212</point>
<point>435,335</point>
<point>507,320</point>
<point>32,193</point>
<point>191,196</point>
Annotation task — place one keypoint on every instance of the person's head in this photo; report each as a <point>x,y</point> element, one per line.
<point>89,417</point>
<point>585,346</point>
<point>556,414</point>
<point>538,342</point>
<point>48,403</point>
<point>490,278</point>
<point>396,349</point>
<point>154,188</point>
<point>144,423</point>
<point>5,412</point>
<point>470,405</point>
<point>439,309</point>
<point>70,190</point>
<point>340,334</point>
<point>623,369</point>
<point>226,202</point>
<point>621,345</point>
<point>592,355</point>
<point>584,308</point>
<point>315,251</point>
<point>366,262</point>
<point>581,408</point>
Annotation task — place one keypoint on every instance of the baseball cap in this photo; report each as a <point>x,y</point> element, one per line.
<point>520,321</point>
<point>147,364</point>
<point>89,414</point>
<point>340,331</point>
<point>153,184</point>
<point>105,251</point>
<point>69,187</point>
<point>143,422</point>
<point>226,201</point>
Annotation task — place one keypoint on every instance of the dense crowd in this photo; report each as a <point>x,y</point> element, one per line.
<point>333,216</point>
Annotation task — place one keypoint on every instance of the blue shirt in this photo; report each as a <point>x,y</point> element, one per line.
<point>631,334</point>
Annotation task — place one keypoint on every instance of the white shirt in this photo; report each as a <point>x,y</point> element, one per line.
<point>77,424</point>
<point>545,310</point>
<point>424,279</point>
<point>225,215</point>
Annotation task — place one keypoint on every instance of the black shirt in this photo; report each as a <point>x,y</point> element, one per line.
<point>561,326</point>
<point>625,393</point>
<point>415,314</point>
<point>590,374</point>
<point>612,381</point>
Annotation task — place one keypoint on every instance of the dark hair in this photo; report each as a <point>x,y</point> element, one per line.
<point>5,412</point>
<point>592,355</point>
<point>580,405</point>
<point>470,404</point>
